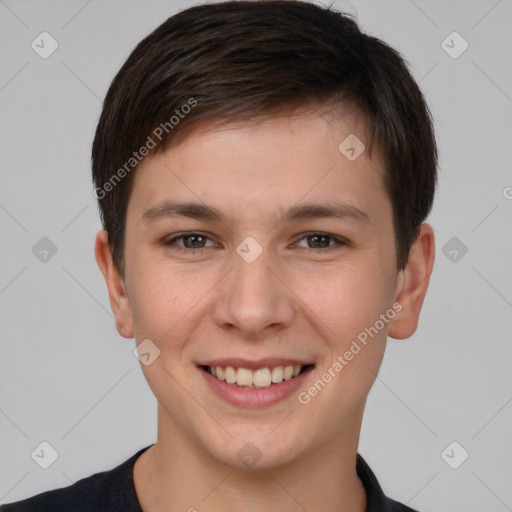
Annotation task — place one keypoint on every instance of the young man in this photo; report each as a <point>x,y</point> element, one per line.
<point>263,171</point>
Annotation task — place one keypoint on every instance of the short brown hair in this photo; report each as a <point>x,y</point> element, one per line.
<point>240,60</point>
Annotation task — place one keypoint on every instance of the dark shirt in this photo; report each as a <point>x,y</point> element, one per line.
<point>114,490</point>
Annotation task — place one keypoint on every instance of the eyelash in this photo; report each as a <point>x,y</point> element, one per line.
<point>339,242</point>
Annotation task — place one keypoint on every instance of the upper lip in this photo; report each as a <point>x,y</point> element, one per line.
<point>254,364</point>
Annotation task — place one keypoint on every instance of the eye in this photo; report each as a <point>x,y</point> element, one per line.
<point>315,242</point>
<point>190,241</point>
<point>320,242</point>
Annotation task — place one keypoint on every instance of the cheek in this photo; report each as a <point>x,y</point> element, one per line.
<point>348,303</point>
<point>348,299</point>
<point>161,299</point>
<point>170,306</point>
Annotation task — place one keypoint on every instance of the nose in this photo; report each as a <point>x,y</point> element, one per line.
<point>254,298</point>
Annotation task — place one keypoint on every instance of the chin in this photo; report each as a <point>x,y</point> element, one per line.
<point>256,449</point>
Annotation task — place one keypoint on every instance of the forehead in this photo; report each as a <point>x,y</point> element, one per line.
<point>280,160</point>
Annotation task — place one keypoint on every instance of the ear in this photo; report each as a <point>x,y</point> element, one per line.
<point>116,289</point>
<point>412,284</point>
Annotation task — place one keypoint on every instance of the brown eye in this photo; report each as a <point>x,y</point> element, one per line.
<point>318,241</point>
<point>321,242</point>
<point>194,241</point>
<point>187,242</point>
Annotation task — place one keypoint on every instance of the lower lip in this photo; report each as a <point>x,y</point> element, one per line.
<point>248,397</point>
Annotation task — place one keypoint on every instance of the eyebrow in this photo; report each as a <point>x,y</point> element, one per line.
<point>328,210</point>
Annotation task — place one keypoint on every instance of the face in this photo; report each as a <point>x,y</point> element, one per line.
<point>261,246</point>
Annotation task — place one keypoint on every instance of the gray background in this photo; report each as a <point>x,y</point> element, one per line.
<point>67,378</point>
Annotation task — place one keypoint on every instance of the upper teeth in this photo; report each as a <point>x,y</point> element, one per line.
<point>260,378</point>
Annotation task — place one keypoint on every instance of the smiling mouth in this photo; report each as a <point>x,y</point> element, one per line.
<point>257,379</point>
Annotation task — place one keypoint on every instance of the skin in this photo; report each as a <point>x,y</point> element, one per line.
<point>290,302</point>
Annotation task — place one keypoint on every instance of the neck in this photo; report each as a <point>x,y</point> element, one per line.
<point>175,475</point>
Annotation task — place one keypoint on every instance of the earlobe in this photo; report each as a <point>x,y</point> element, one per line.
<point>116,290</point>
<point>413,283</point>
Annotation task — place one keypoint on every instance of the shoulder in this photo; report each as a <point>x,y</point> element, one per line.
<point>105,491</point>
<point>394,506</point>
<point>377,501</point>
